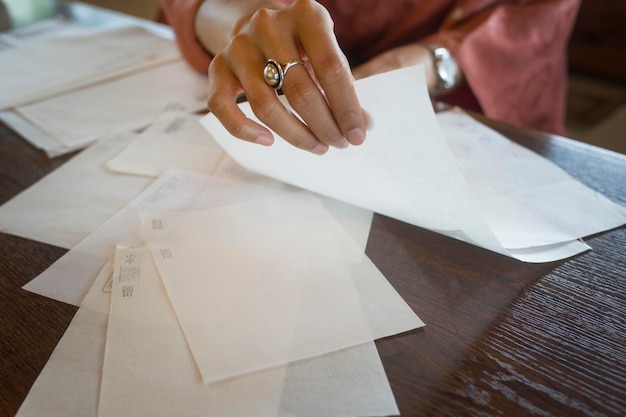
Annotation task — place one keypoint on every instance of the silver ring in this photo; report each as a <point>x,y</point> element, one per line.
<point>274,72</point>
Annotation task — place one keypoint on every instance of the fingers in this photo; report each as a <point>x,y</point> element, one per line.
<point>332,71</point>
<point>224,88</point>
<point>248,67</point>
<point>234,71</point>
<point>278,41</point>
<point>333,118</point>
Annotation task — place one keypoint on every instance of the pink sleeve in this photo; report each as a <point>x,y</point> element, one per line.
<point>180,15</point>
<point>513,55</point>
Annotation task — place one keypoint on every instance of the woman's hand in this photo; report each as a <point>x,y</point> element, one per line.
<point>300,31</point>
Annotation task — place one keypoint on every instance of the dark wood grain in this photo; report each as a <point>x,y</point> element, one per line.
<point>30,325</point>
<point>456,289</point>
<point>504,337</point>
<point>21,166</point>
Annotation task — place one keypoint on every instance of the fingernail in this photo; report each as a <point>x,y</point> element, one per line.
<point>356,136</point>
<point>343,144</point>
<point>320,149</point>
<point>264,140</point>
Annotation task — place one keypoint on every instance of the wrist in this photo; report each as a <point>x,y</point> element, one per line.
<point>217,21</point>
<point>247,14</point>
<point>446,72</point>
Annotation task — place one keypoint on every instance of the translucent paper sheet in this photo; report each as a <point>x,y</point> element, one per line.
<point>69,384</point>
<point>529,201</point>
<point>268,282</point>
<point>70,277</point>
<point>343,383</point>
<point>148,369</point>
<point>75,119</point>
<point>38,30</point>
<point>403,170</point>
<point>73,200</point>
<point>38,69</point>
<point>406,170</point>
<point>174,140</point>
<point>31,133</point>
<point>351,382</point>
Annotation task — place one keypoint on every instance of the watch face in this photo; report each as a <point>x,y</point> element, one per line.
<point>447,68</point>
<point>447,71</point>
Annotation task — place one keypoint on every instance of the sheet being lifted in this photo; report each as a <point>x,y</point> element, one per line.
<point>406,170</point>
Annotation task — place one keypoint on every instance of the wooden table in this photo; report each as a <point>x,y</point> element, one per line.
<point>503,338</point>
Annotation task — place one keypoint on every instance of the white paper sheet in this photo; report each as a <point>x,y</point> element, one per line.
<point>68,204</point>
<point>529,201</point>
<point>69,384</point>
<point>73,200</point>
<point>148,370</point>
<point>269,279</point>
<point>31,133</point>
<point>21,35</point>
<point>70,277</point>
<point>39,69</point>
<point>174,140</point>
<point>405,170</point>
<point>72,120</point>
<point>351,382</point>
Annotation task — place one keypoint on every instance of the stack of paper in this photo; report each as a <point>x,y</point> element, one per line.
<point>40,69</point>
<point>249,266</point>
<point>121,78</point>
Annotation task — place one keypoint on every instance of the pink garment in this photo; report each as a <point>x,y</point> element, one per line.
<point>513,53</point>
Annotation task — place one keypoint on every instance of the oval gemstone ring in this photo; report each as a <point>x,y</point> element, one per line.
<point>274,72</point>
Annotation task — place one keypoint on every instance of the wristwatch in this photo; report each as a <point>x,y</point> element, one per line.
<point>447,70</point>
